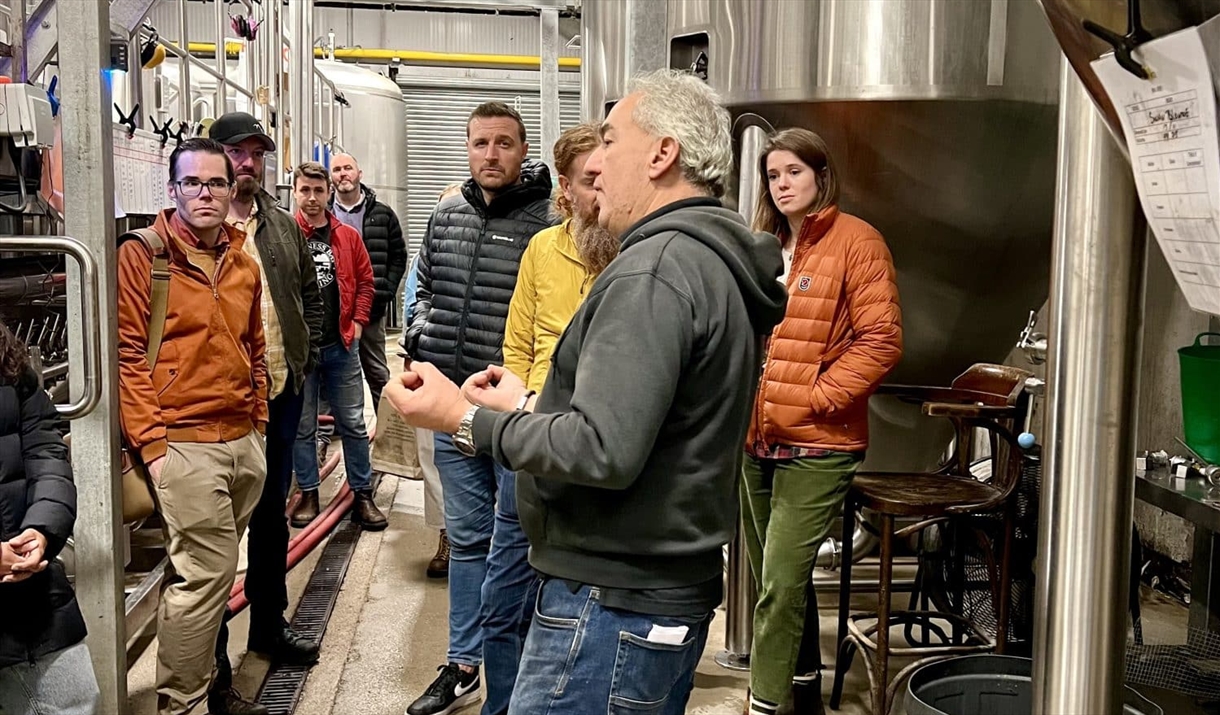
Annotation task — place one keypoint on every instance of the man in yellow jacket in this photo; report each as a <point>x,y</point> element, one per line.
<point>560,264</point>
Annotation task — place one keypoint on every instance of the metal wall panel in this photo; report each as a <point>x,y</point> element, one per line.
<point>439,31</point>
<point>400,30</point>
<point>436,135</point>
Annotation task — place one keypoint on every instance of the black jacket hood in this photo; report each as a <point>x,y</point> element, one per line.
<point>534,184</point>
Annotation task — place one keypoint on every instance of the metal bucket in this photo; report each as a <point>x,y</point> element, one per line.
<point>992,684</point>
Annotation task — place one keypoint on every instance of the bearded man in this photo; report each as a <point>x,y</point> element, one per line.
<point>560,264</point>
<point>292,324</point>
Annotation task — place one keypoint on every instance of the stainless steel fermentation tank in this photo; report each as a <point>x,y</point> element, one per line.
<point>941,118</point>
<point>374,129</point>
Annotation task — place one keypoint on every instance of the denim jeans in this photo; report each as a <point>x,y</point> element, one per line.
<point>583,659</point>
<point>60,683</point>
<point>489,571</point>
<point>375,367</point>
<point>338,375</point>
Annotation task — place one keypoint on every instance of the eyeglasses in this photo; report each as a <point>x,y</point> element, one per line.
<point>218,188</point>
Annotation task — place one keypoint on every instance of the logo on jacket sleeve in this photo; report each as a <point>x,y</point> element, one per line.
<point>804,283</point>
<point>502,239</point>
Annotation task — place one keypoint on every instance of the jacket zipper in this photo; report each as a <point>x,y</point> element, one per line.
<point>799,249</point>
<point>474,265</point>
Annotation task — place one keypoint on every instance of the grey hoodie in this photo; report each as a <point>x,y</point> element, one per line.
<point>629,464</point>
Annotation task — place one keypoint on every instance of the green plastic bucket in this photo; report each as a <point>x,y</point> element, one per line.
<point>1200,365</point>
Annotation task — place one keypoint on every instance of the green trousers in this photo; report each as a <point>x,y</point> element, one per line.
<point>787,507</point>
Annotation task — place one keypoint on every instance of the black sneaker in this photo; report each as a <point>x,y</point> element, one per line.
<point>230,702</point>
<point>451,690</point>
<point>284,645</point>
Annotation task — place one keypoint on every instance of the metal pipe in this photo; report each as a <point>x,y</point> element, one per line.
<point>300,77</point>
<point>88,186</point>
<point>89,313</point>
<point>18,68</point>
<point>548,76</point>
<point>135,81</point>
<point>1084,536</point>
<point>863,542</point>
<point>275,78</point>
<point>739,607</point>
<point>222,60</point>
<point>414,57</point>
<point>188,58</point>
<point>184,66</point>
<point>742,594</point>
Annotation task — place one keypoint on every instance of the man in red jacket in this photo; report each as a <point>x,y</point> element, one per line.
<point>345,280</point>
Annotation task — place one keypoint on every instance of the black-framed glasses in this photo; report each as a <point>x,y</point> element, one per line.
<point>218,188</point>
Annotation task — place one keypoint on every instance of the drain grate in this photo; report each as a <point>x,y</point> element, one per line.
<point>282,687</point>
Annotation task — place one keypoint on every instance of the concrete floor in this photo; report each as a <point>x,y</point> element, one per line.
<point>388,632</point>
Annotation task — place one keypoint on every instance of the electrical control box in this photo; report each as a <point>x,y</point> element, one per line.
<point>25,115</point>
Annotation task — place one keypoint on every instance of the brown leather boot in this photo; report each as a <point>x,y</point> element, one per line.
<point>307,509</point>
<point>438,567</point>
<point>366,514</point>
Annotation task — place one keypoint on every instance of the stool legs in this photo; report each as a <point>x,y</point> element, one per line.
<point>843,656</point>
<point>882,655</point>
<point>1001,634</point>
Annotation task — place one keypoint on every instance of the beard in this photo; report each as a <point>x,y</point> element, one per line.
<point>247,187</point>
<point>596,245</point>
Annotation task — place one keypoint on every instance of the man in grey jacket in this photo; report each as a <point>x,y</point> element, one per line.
<point>628,461</point>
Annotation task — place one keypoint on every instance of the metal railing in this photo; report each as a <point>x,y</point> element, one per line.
<point>91,362</point>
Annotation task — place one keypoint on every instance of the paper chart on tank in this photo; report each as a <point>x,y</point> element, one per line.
<point>1170,127</point>
<point>141,170</point>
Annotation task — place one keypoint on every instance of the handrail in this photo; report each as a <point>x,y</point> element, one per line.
<point>90,312</point>
<point>193,61</point>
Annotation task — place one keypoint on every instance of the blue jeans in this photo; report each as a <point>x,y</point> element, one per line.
<point>583,659</point>
<point>338,373</point>
<point>489,571</point>
<point>60,683</point>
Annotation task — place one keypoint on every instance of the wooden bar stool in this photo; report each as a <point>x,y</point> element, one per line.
<point>987,397</point>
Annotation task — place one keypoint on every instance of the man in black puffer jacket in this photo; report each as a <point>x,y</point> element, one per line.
<point>44,664</point>
<point>356,205</point>
<point>467,272</point>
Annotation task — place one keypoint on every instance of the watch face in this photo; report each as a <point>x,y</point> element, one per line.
<point>464,446</point>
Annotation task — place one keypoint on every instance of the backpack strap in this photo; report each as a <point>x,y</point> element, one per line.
<point>159,298</point>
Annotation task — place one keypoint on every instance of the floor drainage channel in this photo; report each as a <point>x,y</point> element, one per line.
<point>282,687</point>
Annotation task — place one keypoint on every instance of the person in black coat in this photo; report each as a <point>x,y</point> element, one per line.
<point>356,205</point>
<point>44,663</point>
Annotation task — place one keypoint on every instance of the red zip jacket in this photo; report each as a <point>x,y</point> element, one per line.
<point>354,271</point>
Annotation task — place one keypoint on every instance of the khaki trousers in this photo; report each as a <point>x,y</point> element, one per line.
<point>206,495</point>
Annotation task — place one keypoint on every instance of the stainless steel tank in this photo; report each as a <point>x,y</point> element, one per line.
<point>941,117</point>
<point>374,130</point>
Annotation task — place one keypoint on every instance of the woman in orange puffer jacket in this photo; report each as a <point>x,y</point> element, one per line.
<point>841,335</point>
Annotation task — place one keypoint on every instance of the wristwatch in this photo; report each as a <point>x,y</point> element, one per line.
<point>463,439</point>
<point>525,399</point>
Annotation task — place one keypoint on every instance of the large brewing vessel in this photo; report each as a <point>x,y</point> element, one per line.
<point>941,118</point>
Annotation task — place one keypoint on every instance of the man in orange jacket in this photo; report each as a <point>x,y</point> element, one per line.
<point>345,280</point>
<point>196,418</point>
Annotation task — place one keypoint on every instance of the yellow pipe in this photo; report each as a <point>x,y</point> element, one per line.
<point>420,56</point>
<point>417,56</point>
<point>231,48</point>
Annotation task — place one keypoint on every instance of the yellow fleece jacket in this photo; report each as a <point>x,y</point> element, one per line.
<point>551,284</point>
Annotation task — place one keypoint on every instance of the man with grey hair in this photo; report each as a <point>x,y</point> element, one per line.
<point>628,461</point>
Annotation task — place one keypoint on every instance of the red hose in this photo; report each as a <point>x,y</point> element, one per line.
<point>309,537</point>
<point>305,534</point>
<point>306,542</point>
